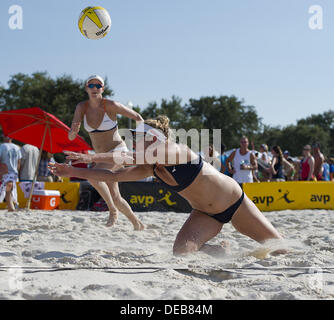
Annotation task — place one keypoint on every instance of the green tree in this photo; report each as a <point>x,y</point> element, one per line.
<point>294,137</point>
<point>270,136</point>
<point>226,113</point>
<point>326,122</point>
<point>172,108</point>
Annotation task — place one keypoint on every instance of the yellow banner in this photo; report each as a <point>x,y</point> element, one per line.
<point>271,196</point>
<point>69,194</point>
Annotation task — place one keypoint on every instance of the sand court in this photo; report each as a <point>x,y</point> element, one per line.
<point>72,255</point>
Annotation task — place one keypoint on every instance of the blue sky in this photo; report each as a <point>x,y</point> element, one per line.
<point>262,51</point>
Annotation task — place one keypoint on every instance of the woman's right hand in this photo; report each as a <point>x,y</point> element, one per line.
<point>74,130</point>
<point>71,135</point>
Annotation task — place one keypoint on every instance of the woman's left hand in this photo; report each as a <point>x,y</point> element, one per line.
<point>60,169</point>
<point>78,157</point>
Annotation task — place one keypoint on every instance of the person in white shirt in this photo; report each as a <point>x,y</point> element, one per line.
<point>242,162</point>
<point>28,162</point>
<point>10,157</point>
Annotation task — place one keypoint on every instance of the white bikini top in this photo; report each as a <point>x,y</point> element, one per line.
<point>105,125</point>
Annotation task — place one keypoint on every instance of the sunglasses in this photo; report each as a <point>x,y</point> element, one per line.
<point>96,85</point>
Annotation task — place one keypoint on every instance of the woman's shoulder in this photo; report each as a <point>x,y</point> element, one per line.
<point>110,105</point>
<point>82,105</point>
<point>109,102</point>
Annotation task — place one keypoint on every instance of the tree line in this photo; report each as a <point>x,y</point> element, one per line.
<point>60,96</point>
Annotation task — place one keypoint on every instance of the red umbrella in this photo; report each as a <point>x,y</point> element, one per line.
<point>41,129</point>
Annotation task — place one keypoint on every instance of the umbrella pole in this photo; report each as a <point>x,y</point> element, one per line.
<point>36,171</point>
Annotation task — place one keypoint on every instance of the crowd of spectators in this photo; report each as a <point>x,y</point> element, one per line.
<point>20,164</point>
<point>249,165</point>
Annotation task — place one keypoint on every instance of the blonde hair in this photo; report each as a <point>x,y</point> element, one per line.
<point>161,123</point>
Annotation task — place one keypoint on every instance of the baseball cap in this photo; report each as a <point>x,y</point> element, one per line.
<point>97,77</point>
<point>145,128</point>
<point>286,152</point>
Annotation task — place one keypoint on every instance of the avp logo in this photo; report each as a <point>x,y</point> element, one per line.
<point>320,198</point>
<point>285,196</point>
<point>147,200</point>
<point>268,200</point>
<point>166,198</point>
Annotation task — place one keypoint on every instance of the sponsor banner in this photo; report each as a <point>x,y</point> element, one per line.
<point>271,196</point>
<point>152,196</point>
<point>69,193</point>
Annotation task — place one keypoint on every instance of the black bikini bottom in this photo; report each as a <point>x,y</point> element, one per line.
<point>226,215</point>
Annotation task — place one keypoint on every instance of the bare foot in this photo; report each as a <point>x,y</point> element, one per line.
<point>138,226</point>
<point>112,219</point>
<point>216,250</point>
<point>279,251</point>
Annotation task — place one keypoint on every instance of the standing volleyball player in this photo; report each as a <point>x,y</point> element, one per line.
<point>99,116</point>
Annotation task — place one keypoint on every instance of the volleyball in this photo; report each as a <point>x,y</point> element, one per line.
<point>94,22</point>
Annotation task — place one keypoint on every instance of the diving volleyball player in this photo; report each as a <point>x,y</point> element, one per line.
<point>216,199</point>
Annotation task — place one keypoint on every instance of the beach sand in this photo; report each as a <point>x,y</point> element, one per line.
<point>72,255</point>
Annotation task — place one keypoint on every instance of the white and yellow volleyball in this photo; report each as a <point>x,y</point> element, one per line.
<point>94,22</point>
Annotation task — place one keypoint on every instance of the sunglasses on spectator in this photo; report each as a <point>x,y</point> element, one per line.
<point>96,85</point>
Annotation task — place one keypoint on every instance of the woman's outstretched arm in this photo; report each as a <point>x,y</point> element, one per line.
<point>125,174</point>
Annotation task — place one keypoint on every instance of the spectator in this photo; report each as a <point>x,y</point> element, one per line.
<point>298,168</point>
<point>331,169</point>
<point>210,155</point>
<point>286,155</point>
<point>319,160</point>
<point>256,174</point>
<point>223,158</point>
<point>10,157</point>
<point>307,165</point>
<point>277,165</point>
<point>244,162</point>
<point>264,154</point>
<point>29,162</point>
<point>43,172</point>
<point>326,172</point>
<point>263,163</point>
<point>289,171</point>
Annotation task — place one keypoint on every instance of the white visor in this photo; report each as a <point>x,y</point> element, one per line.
<point>95,77</point>
<point>145,128</point>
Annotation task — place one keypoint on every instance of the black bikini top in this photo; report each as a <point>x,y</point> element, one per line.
<point>184,174</point>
